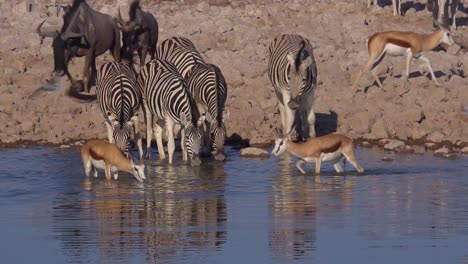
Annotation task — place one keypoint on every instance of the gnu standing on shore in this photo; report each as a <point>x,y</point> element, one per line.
<point>140,33</point>
<point>293,74</point>
<point>119,99</point>
<point>85,32</point>
<point>166,100</point>
<point>209,91</point>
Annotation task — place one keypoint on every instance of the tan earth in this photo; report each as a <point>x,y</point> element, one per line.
<point>235,35</point>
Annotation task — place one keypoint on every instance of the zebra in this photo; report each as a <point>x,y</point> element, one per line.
<point>119,99</point>
<point>208,88</point>
<point>181,52</point>
<point>166,100</point>
<point>293,74</point>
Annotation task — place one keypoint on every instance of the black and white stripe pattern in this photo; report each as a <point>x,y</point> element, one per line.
<point>181,52</point>
<point>166,100</point>
<point>293,74</point>
<point>208,89</point>
<point>119,99</point>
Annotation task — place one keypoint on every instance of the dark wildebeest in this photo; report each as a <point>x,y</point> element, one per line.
<point>85,32</point>
<point>140,33</point>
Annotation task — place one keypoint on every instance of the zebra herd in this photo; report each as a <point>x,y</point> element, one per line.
<point>176,89</point>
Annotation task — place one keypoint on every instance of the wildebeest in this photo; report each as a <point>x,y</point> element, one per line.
<point>85,32</point>
<point>140,33</point>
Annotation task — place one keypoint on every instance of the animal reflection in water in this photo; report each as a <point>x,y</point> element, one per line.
<point>174,199</point>
<point>297,205</point>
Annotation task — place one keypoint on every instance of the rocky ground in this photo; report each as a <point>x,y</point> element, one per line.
<point>235,35</point>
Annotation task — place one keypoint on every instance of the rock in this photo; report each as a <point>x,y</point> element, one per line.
<point>394,145</point>
<point>366,144</point>
<point>436,137</point>
<point>444,152</point>
<point>386,158</point>
<point>406,149</point>
<point>453,49</point>
<point>379,130</point>
<point>64,146</point>
<point>464,150</point>
<point>430,146</point>
<point>251,152</point>
<point>26,126</point>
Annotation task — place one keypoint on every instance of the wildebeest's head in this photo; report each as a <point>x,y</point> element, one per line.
<point>298,74</point>
<point>130,31</point>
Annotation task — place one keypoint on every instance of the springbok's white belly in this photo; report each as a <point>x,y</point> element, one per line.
<point>395,50</point>
<point>328,157</point>
<point>100,164</point>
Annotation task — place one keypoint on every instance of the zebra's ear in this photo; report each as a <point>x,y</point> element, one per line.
<point>291,60</point>
<point>208,117</point>
<point>183,119</point>
<point>226,114</point>
<point>305,64</point>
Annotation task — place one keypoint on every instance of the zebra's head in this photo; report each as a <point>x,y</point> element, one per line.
<point>193,141</point>
<point>122,137</point>
<point>218,130</point>
<point>299,63</point>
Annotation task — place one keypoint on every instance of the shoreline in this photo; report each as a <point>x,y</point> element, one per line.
<point>389,145</point>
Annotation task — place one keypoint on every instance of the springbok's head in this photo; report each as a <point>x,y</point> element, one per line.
<point>138,170</point>
<point>280,143</point>
<point>446,36</point>
<point>299,76</point>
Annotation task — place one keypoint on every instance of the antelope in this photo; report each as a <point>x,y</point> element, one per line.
<point>397,43</point>
<point>328,148</point>
<point>100,154</point>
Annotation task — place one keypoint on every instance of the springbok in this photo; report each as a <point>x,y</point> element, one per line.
<point>328,148</point>
<point>100,154</point>
<point>397,43</point>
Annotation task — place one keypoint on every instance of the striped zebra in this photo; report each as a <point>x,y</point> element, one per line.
<point>181,52</point>
<point>293,74</point>
<point>166,100</point>
<point>209,91</point>
<point>119,99</point>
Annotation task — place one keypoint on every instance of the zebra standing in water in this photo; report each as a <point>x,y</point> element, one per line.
<point>208,88</point>
<point>293,74</point>
<point>166,100</point>
<point>119,99</point>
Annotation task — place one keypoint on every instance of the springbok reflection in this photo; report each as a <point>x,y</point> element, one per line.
<point>299,205</point>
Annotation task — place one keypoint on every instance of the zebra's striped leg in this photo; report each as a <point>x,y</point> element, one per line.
<point>158,135</point>
<point>170,139</point>
<point>183,142</point>
<point>110,132</point>
<point>149,127</point>
<point>136,133</point>
<point>289,117</point>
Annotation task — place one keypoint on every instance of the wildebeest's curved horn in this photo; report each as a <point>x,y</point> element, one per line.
<point>43,35</point>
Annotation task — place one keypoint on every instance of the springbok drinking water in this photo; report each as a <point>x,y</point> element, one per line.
<point>328,148</point>
<point>100,154</point>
